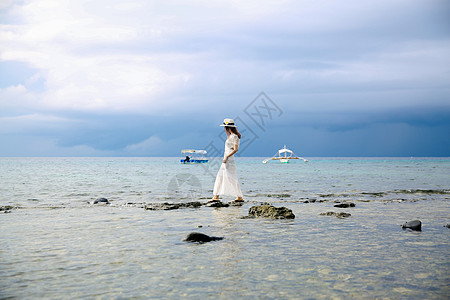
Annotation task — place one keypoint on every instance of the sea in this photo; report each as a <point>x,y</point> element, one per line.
<point>55,243</point>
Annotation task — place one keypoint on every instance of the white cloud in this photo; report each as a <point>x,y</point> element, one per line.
<point>16,97</point>
<point>154,56</point>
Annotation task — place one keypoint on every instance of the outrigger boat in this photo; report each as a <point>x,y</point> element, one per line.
<point>284,155</point>
<point>193,156</point>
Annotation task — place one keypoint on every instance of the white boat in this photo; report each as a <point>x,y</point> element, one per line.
<point>192,156</point>
<point>284,155</point>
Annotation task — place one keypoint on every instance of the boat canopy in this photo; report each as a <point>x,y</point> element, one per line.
<point>194,151</point>
<point>284,150</point>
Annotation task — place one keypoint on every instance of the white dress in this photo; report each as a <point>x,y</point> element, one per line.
<point>226,180</point>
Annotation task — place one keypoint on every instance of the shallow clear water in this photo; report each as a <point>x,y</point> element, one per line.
<point>57,244</point>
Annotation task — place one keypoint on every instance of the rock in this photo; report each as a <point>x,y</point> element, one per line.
<point>340,215</point>
<point>196,237</point>
<point>162,206</point>
<point>269,211</point>
<point>415,225</point>
<point>343,215</point>
<point>170,206</point>
<point>345,205</point>
<point>217,204</point>
<point>6,209</point>
<point>447,225</point>
<point>101,201</point>
<point>330,213</point>
<point>279,195</point>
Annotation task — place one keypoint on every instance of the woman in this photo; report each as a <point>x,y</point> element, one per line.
<point>226,180</point>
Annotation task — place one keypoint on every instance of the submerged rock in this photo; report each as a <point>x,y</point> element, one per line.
<point>269,211</point>
<point>279,195</point>
<point>419,191</point>
<point>340,215</point>
<point>345,205</point>
<point>415,225</point>
<point>170,206</point>
<point>101,201</point>
<point>196,237</point>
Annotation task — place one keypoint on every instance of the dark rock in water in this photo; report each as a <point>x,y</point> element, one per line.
<point>236,203</point>
<point>447,225</point>
<point>196,237</point>
<point>330,213</point>
<point>415,225</point>
<point>272,212</point>
<point>340,215</point>
<point>217,204</point>
<point>194,204</point>
<point>309,200</point>
<point>345,205</point>
<point>5,208</point>
<point>162,206</point>
<point>170,206</point>
<point>101,201</point>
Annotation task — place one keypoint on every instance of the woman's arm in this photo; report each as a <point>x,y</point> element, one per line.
<point>235,149</point>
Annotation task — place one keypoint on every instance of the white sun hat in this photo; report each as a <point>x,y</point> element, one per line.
<point>228,123</point>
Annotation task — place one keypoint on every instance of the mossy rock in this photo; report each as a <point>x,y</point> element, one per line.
<point>271,212</point>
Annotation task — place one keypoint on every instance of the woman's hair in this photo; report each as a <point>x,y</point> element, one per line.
<point>234,130</point>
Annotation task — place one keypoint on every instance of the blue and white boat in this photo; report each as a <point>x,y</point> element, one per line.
<point>193,156</point>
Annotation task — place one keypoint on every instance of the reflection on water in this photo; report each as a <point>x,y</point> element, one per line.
<point>58,246</point>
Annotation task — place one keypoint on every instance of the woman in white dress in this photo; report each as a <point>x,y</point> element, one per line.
<point>226,181</point>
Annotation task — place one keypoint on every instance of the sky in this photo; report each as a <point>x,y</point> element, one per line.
<point>149,78</point>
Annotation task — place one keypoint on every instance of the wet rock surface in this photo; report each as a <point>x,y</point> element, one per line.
<point>170,206</point>
<point>196,237</point>
<point>6,209</point>
<point>101,201</point>
<point>345,205</point>
<point>216,204</point>
<point>270,211</point>
<point>340,215</point>
<point>415,225</point>
<point>310,201</point>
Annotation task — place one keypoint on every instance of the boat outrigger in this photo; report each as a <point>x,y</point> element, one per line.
<point>193,156</point>
<point>284,155</point>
